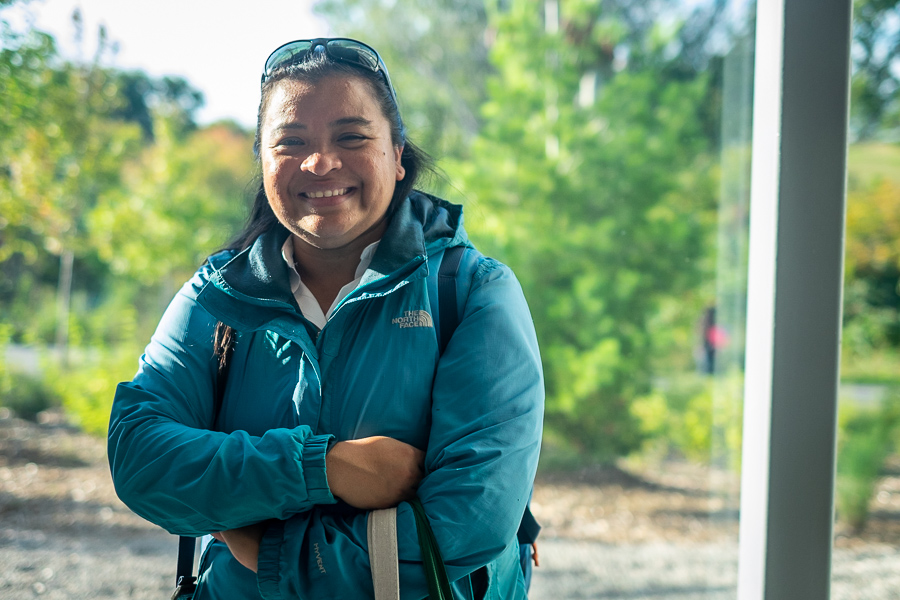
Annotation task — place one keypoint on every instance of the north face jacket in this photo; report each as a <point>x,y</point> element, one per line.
<point>374,369</point>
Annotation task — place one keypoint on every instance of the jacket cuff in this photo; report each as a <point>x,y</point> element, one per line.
<point>313,463</point>
<point>268,564</point>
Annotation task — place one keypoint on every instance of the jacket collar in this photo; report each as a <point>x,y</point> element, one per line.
<point>418,222</point>
<point>258,276</point>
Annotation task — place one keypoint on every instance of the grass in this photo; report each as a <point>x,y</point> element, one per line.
<point>878,368</point>
<point>873,160</point>
<point>867,437</point>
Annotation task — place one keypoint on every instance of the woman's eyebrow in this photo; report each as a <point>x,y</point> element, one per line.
<point>342,122</point>
<point>361,121</point>
<point>289,125</point>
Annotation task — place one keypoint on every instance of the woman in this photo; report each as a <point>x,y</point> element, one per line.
<point>338,397</point>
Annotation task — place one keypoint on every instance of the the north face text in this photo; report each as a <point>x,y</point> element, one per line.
<point>414,318</point>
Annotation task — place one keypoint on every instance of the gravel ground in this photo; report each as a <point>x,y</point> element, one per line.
<point>708,571</point>
<point>669,535</point>
<point>63,532</point>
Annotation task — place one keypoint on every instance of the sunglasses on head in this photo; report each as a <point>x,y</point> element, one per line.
<point>343,50</point>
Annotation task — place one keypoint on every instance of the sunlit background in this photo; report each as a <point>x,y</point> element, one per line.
<point>601,148</point>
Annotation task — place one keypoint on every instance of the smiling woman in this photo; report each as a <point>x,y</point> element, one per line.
<point>288,391</point>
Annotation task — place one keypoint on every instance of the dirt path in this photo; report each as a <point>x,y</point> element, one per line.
<point>607,534</point>
<point>63,532</point>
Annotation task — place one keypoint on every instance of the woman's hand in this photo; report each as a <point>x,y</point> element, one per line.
<point>374,472</point>
<point>243,543</point>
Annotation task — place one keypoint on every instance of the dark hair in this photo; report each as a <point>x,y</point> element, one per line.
<point>319,65</point>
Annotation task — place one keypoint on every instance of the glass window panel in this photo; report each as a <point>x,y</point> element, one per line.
<point>648,512</point>
<point>867,496</point>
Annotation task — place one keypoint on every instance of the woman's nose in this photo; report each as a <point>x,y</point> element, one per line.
<point>320,163</point>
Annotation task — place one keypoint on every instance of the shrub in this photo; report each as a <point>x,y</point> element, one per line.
<point>26,395</point>
<point>87,386</point>
<point>694,416</point>
<point>865,439</point>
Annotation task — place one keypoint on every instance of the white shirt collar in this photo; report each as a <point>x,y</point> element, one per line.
<point>309,306</point>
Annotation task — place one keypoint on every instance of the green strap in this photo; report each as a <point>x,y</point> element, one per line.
<point>432,562</point>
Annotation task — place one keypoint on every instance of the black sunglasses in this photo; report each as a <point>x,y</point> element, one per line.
<point>343,50</point>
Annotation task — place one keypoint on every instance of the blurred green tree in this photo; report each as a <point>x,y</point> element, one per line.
<point>141,95</point>
<point>872,272</point>
<point>593,177</point>
<point>178,203</point>
<point>874,104</point>
<point>110,196</point>
<point>59,153</point>
<point>80,144</point>
<point>437,52</point>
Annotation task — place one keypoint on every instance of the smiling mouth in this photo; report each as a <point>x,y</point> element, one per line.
<point>325,193</point>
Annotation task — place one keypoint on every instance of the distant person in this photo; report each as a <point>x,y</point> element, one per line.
<point>714,339</point>
<point>338,398</point>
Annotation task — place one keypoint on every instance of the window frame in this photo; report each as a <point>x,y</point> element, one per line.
<point>795,291</point>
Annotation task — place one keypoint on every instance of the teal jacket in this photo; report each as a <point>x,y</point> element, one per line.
<point>374,369</point>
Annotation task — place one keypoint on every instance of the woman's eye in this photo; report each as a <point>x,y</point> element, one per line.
<point>352,137</point>
<point>286,142</point>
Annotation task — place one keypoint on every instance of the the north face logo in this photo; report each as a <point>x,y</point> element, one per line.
<point>414,318</point>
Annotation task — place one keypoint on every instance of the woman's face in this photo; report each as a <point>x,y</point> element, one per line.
<point>328,163</point>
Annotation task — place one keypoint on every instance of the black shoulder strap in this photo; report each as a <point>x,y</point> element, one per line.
<point>184,571</point>
<point>448,313</point>
<point>528,528</point>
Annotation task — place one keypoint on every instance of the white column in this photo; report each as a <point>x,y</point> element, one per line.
<point>794,298</point>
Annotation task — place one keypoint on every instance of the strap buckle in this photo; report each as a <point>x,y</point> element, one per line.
<point>185,588</point>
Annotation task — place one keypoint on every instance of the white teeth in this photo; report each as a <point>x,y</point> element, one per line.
<point>326,194</point>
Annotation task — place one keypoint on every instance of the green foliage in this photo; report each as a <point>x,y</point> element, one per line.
<point>437,54</point>
<point>872,263</point>
<point>603,208</point>
<point>866,438</point>
<point>870,366</point>
<point>25,395</point>
<point>869,162</point>
<point>874,108</point>
<point>178,203</point>
<point>107,167</point>
<point>694,416</point>
<point>143,97</point>
<point>86,387</point>
<point>59,150</point>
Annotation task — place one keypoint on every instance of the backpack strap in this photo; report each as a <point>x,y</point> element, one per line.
<point>448,312</point>
<point>185,581</point>
<point>528,528</point>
